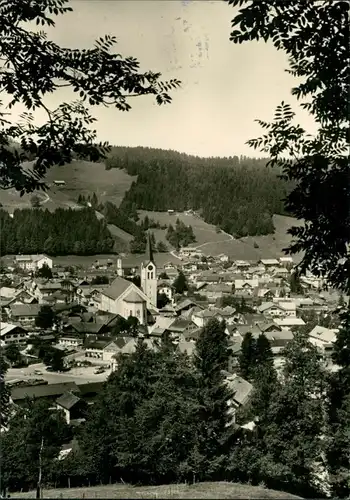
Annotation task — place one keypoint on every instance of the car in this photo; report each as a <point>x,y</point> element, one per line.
<point>99,370</point>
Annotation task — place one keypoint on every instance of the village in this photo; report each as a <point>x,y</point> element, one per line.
<point>100,312</point>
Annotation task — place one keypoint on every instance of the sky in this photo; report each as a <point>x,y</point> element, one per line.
<point>225,87</point>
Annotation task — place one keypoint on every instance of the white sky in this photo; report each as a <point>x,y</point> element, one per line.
<point>224,86</point>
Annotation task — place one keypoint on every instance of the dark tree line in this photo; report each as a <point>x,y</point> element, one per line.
<point>163,418</point>
<point>239,195</point>
<point>181,235</point>
<point>61,232</point>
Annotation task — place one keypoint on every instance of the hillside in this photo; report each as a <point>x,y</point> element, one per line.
<point>239,195</point>
<point>210,242</point>
<point>81,177</point>
<point>199,490</point>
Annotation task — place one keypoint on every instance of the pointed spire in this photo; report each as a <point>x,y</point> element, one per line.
<point>149,251</point>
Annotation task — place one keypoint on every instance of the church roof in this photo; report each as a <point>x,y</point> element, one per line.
<point>116,288</point>
<point>149,250</point>
<point>134,297</point>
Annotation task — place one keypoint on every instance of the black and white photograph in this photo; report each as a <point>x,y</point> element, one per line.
<point>175,249</point>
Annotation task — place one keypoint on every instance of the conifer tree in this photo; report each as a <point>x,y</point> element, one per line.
<point>180,283</point>
<point>213,433</point>
<point>291,435</point>
<point>338,449</point>
<point>247,356</point>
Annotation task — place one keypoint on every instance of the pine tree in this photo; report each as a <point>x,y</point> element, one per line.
<point>264,379</point>
<point>290,438</point>
<point>263,352</point>
<point>338,456</point>
<point>213,432</point>
<point>180,283</point>
<point>247,357</point>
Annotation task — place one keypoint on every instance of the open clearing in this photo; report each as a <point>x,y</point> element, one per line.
<point>81,177</point>
<point>212,243</point>
<point>199,490</point>
<point>204,232</point>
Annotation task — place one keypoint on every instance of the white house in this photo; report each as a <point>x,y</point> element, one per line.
<point>32,262</point>
<point>12,334</point>
<point>70,342</point>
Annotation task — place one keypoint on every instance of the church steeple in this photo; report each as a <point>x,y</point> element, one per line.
<point>149,250</point>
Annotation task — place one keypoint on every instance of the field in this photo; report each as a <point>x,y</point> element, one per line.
<point>84,178</point>
<point>204,232</point>
<point>212,243</point>
<point>198,490</point>
<point>81,177</point>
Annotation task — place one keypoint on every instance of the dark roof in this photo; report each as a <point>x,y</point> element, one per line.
<point>42,391</point>
<point>67,400</point>
<point>116,288</point>
<point>90,388</point>
<point>82,327</point>
<point>25,309</point>
<point>149,251</point>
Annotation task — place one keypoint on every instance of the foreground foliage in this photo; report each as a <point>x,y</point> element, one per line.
<point>34,67</point>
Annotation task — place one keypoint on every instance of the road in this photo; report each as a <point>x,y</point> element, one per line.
<point>78,375</point>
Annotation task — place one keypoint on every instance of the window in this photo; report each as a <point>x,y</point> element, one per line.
<point>138,313</point>
<point>130,313</point>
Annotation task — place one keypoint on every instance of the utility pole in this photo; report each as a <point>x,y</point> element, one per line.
<point>38,488</point>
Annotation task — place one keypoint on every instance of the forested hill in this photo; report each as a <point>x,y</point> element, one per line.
<point>239,195</point>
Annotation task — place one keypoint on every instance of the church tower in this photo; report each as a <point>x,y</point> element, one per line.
<point>149,274</point>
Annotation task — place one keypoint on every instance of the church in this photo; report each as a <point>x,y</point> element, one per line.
<point>126,299</point>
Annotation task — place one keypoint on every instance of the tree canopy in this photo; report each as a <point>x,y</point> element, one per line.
<point>315,37</point>
<point>34,67</point>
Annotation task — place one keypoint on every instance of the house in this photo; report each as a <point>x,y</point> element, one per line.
<point>201,318</point>
<point>32,262</point>
<point>185,305</point>
<point>48,392</point>
<point>11,334</point>
<point>269,263</point>
<point>245,287</point>
<point>272,309</point>
<point>70,342</point>
<point>163,287</point>
<point>59,183</point>
<point>216,291</point>
<point>189,252</point>
<point>323,338</point>
<point>289,322</point>
<point>94,348</point>
<point>179,327</point>
<point>73,406</point>
<point>240,389</point>
<point>113,348</point>
<point>24,314</point>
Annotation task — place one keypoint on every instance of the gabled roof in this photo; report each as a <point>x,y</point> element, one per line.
<point>25,310</point>
<point>8,327</point>
<point>240,388</point>
<point>67,400</point>
<point>40,391</point>
<point>116,288</point>
<point>134,298</point>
